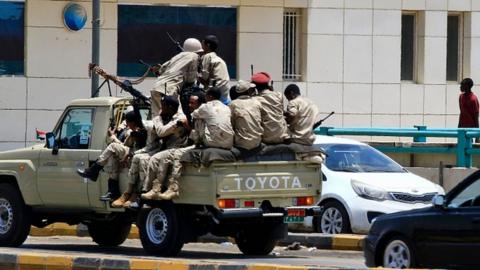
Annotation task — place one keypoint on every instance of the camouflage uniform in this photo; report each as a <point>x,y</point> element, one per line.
<point>303,114</point>
<point>213,127</point>
<point>246,121</point>
<point>275,128</point>
<point>172,137</point>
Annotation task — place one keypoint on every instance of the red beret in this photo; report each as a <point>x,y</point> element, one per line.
<point>261,78</point>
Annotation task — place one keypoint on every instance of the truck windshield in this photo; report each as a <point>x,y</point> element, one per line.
<point>358,158</point>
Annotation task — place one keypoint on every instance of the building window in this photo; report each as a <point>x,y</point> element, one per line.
<point>408,47</point>
<point>291,45</point>
<point>142,34</point>
<point>453,47</point>
<point>12,38</point>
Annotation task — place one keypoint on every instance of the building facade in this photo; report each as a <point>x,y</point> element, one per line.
<point>376,63</point>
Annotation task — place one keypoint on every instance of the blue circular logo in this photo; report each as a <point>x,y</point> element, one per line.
<point>74,16</point>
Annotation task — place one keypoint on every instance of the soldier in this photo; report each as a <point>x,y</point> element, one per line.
<point>213,127</point>
<point>138,168</point>
<point>301,115</point>
<point>214,71</point>
<point>170,127</point>
<point>119,152</point>
<point>174,74</point>
<point>275,128</point>
<point>246,117</point>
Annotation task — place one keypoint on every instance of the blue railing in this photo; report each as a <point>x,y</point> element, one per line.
<point>463,150</point>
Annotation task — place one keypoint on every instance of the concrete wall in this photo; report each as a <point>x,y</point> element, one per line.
<point>451,176</point>
<point>350,50</point>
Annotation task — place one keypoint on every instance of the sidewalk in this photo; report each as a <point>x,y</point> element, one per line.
<point>320,241</point>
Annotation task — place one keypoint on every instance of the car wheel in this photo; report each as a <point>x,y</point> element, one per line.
<point>398,253</point>
<point>333,219</point>
<point>15,217</point>
<point>160,230</point>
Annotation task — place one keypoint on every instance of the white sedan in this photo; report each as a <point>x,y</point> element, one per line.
<point>360,183</point>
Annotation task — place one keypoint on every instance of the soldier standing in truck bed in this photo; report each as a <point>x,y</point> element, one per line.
<point>213,69</point>
<point>173,74</point>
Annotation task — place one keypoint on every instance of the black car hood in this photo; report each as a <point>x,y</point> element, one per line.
<point>405,214</point>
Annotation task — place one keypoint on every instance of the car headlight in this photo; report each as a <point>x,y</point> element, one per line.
<point>369,192</point>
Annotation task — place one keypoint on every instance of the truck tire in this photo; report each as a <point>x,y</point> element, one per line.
<point>160,230</point>
<point>255,242</point>
<point>15,217</point>
<point>109,233</point>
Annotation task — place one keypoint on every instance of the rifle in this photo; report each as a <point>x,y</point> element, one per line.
<point>126,85</point>
<point>317,124</point>
<point>177,44</point>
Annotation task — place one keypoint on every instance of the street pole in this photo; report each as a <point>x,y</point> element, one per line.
<point>95,43</point>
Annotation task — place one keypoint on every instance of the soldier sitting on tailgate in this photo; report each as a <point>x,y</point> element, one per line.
<point>275,128</point>
<point>212,122</point>
<point>246,118</point>
<point>301,115</point>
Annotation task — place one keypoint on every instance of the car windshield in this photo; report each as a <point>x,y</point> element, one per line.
<point>358,158</point>
<point>468,196</point>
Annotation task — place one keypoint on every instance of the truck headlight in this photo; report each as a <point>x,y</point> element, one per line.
<point>369,192</point>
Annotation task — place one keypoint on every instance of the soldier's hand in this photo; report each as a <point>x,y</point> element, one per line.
<point>110,131</point>
<point>155,69</point>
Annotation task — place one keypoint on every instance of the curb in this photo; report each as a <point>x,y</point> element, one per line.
<point>320,241</point>
<point>47,261</point>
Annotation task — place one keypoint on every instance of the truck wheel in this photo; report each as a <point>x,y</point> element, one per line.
<point>108,233</point>
<point>160,230</point>
<point>15,217</point>
<point>252,242</point>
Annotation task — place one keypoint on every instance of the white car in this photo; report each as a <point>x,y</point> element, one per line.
<point>360,183</point>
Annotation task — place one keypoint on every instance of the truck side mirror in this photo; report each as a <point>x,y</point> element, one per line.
<point>51,142</point>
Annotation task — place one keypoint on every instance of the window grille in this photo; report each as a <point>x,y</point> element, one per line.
<point>291,45</point>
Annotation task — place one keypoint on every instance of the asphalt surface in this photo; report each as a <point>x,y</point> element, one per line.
<point>198,252</point>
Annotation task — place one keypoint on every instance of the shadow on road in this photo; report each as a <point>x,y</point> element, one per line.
<point>138,251</point>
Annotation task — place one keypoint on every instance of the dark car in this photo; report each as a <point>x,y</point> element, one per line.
<point>446,235</point>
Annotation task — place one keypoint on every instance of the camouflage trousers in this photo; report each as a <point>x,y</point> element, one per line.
<point>111,158</point>
<point>138,170</point>
<point>165,164</point>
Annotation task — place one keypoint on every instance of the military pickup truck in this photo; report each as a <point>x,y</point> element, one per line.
<point>253,202</point>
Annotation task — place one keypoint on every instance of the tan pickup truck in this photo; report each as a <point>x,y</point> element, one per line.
<point>252,202</point>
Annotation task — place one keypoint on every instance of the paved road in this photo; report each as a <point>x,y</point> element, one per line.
<point>204,252</point>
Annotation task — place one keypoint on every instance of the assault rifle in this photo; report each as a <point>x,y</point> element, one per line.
<point>177,44</point>
<point>319,123</point>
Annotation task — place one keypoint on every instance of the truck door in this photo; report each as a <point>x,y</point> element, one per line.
<point>58,183</point>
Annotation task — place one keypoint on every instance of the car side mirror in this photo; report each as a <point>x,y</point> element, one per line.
<point>51,142</point>
<point>438,201</point>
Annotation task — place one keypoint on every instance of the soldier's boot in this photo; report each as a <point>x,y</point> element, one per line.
<point>113,191</point>
<point>154,192</point>
<point>171,192</point>
<point>91,172</point>
<point>118,203</point>
<point>133,199</point>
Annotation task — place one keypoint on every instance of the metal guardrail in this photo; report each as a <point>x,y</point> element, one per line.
<point>463,150</point>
